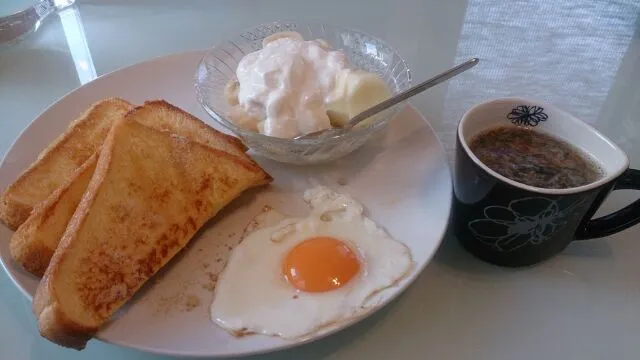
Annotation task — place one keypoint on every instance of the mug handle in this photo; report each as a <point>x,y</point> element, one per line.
<point>616,221</point>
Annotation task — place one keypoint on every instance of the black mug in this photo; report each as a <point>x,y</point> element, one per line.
<point>508,223</point>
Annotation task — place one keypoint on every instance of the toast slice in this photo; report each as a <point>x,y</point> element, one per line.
<point>36,239</point>
<point>57,163</point>
<point>33,244</point>
<point>151,191</point>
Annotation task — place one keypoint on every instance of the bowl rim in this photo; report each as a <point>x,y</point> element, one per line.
<point>356,132</point>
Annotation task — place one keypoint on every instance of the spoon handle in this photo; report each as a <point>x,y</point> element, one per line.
<point>411,92</point>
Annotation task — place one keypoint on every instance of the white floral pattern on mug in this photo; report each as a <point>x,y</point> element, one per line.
<point>526,221</point>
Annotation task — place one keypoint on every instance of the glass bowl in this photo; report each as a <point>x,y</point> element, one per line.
<point>219,64</point>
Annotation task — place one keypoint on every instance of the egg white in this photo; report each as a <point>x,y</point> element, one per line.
<point>252,296</point>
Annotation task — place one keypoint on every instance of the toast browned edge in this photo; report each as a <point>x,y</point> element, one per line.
<point>230,139</point>
<point>14,212</point>
<point>53,323</point>
<point>33,254</point>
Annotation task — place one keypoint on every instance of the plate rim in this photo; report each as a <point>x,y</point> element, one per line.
<point>417,271</point>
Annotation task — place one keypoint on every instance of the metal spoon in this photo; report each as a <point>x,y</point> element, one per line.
<point>402,96</point>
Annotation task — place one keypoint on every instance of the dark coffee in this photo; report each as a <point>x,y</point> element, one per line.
<point>533,158</point>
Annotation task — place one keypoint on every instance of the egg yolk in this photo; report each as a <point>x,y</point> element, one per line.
<point>320,264</point>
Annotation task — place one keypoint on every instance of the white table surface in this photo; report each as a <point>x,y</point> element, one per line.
<point>583,57</point>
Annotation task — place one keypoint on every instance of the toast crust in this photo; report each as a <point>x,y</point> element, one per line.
<point>54,324</point>
<point>85,283</point>
<point>198,124</point>
<point>57,162</point>
<point>35,241</point>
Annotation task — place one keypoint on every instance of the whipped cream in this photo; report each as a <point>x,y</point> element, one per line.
<point>288,87</point>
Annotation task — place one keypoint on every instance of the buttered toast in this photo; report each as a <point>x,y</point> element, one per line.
<point>151,191</point>
<point>36,239</point>
<point>57,163</point>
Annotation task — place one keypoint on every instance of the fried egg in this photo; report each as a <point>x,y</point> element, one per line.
<point>301,275</point>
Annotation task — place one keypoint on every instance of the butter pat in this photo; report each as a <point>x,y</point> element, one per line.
<point>355,91</point>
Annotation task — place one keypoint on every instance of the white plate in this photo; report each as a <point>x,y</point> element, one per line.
<point>402,178</point>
